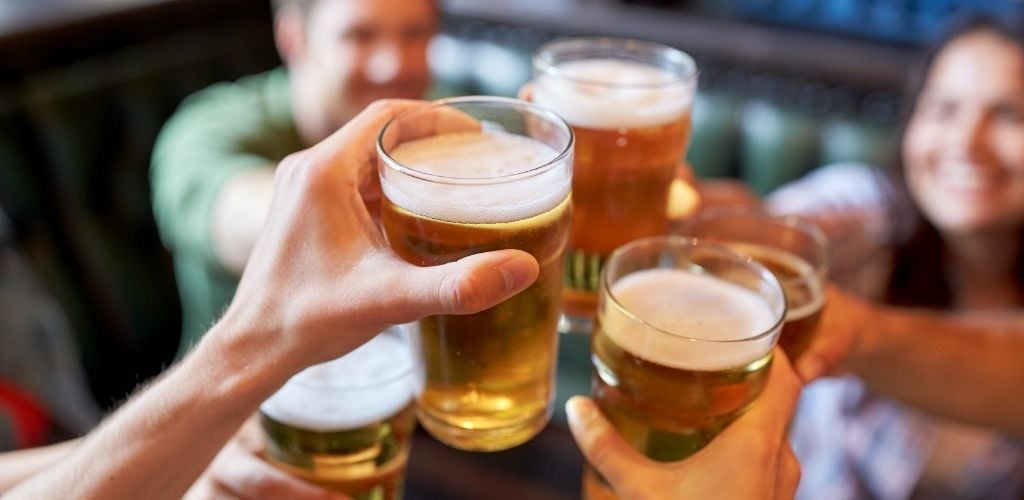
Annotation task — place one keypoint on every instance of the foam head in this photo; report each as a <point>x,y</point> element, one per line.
<point>477,156</point>
<point>367,385</point>
<point>614,93</point>
<point>701,312</point>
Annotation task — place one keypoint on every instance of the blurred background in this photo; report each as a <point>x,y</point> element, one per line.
<point>85,85</point>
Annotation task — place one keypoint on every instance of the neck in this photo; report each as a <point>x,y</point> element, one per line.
<point>984,266</point>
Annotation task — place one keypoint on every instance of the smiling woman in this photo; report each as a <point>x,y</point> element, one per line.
<point>962,179</point>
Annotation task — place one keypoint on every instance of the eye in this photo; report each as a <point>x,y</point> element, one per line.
<point>939,108</point>
<point>1008,113</point>
<point>359,35</point>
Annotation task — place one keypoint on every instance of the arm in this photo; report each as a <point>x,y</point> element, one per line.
<point>16,466</point>
<point>320,282</point>
<point>239,212</point>
<point>965,367</point>
<point>962,366</point>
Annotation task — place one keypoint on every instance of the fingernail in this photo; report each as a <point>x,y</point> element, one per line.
<point>518,272</point>
<point>577,409</point>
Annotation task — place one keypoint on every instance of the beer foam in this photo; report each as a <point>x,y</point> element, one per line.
<point>810,283</point>
<point>614,93</point>
<point>477,155</point>
<point>702,311</point>
<point>331,396</point>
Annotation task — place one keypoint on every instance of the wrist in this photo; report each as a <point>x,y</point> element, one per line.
<point>873,326</point>
<point>245,362</point>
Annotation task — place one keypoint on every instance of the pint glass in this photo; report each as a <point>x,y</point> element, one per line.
<point>629,105</point>
<point>795,250</point>
<point>472,175</point>
<point>682,343</point>
<point>346,424</point>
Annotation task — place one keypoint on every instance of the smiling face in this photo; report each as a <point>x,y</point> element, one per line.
<point>964,148</point>
<point>344,54</point>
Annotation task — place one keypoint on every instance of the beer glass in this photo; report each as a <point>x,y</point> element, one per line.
<point>682,343</point>
<point>346,424</point>
<point>629,105</point>
<point>795,250</point>
<point>471,175</point>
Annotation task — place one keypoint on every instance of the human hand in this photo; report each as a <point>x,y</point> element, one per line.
<point>843,319</point>
<point>240,472</point>
<point>321,279</point>
<point>750,459</point>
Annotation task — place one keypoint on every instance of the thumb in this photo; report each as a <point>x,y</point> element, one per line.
<point>600,443</point>
<point>472,284</point>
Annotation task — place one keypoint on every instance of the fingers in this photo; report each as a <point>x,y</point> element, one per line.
<point>526,92</point>
<point>600,443</point>
<point>789,474</point>
<point>466,286</point>
<point>246,476</point>
<point>837,333</point>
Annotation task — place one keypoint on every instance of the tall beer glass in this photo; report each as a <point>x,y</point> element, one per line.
<point>629,105</point>
<point>795,250</point>
<point>471,175</point>
<point>682,344</point>
<point>346,424</point>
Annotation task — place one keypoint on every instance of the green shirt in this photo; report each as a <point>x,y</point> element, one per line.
<point>215,134</point>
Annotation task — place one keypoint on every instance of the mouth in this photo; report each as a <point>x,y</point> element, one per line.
<point>970,179</point>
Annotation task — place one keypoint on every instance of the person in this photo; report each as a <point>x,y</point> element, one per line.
<point>934,411</point>
<point>212,168</point>
<point>321,281</point>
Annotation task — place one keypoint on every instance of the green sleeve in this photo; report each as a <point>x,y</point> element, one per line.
<point>205,143</point>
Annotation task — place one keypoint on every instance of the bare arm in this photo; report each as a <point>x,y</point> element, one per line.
<point>321,282</point>
<point>239,213</point>
<point>16,466</point>
<point>967,367</point>
<point>963,366</point>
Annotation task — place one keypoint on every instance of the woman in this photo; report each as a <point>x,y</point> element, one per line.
<point>963,172</point>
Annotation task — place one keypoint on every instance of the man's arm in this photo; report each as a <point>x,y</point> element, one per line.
<point>321,282</point>
<point>964,366</point>
<point>239,211</point>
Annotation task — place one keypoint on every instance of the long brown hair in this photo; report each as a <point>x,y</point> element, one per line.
<point>919,275</point>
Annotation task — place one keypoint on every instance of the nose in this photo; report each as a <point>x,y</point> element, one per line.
<point>384,64</point>
<point>969,136</point>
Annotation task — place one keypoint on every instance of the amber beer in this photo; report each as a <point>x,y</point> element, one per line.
<point>794,249</point>
<point>629,105</point>
<point>682,344</point>
<point>487,377</point>
<point>346,425</point>
<point>805,294</point>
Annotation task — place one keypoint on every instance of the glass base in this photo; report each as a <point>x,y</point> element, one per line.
<point>471,436</point>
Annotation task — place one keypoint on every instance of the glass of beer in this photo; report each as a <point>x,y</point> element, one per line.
<point>629,105</point>
<point>346,424</point>
<point>795,250</point>
<point>682,344</point>
<point>471,175</point>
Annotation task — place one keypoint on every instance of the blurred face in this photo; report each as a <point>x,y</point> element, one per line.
<point>357,51</point>
<point>964,148</point>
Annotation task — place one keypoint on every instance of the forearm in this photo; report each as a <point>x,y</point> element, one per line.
<point>968,368</point>
<point>238,216</point>
<point>17,466</point>
<point>159,443</point>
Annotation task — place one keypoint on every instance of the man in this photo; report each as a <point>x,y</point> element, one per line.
<point>308,296</point>
<point>213,164</point>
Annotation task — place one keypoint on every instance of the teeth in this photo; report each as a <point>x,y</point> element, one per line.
<point>966,177</point>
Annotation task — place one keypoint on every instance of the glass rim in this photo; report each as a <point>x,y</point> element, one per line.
<point>815,233</point>
<point>684,241</point>
<point>362,386</point>
<point>512,103</point>
<point>543,61</point>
